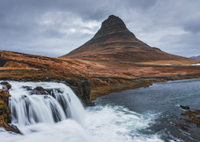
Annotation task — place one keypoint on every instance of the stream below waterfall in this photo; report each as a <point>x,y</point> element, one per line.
<point>140,115</point>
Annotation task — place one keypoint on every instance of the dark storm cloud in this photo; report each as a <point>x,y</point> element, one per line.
<point>53,28</point>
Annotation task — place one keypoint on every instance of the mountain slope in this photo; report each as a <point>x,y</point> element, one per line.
<point>114,42</point>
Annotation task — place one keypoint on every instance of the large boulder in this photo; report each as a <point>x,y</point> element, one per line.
<point>6,85</point>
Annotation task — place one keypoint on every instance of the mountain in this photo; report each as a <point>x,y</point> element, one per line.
<point>195,57</point>
<point>114,42</point>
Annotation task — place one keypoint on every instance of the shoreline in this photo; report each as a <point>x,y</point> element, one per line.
<point>128,84</point>
<point>82,90</point>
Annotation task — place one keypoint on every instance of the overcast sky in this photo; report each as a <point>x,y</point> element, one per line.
<point>56,27</point>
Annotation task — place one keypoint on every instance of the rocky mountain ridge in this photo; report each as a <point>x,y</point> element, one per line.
<point>196,57</point>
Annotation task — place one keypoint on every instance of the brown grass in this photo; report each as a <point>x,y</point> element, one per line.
<point>105,76</point>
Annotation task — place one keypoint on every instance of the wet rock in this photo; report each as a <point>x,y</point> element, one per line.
<point>87,86</point>
<point>14,128</point>
<point>71,82</point>
<point>39,91</point>
<point>84,89</point>
<point>28,88</point>
<point>75,90</point>
<point>6,85</point>
<point>39,88</point>
<point>185,107</point>
<point>46,97</point>
<point>23,80</point>
<point>24,96</point>
<point>183,126</point>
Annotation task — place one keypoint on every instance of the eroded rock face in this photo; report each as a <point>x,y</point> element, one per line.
<point>4,112</point>
<point>82,89</point>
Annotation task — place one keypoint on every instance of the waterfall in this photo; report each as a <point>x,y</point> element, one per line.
<point>46,111</point>
<point>43,102</point>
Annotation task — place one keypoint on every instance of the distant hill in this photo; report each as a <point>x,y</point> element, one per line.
<point>195,57</point>
<point>114,42</point>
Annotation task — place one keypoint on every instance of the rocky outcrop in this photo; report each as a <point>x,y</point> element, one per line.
<point>82,89</point>
<point>6,85</point>
<point>4,111</point>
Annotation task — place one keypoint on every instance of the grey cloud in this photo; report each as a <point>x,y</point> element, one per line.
<point>193,26</point>
<point>186,44</point>
<point>143,4</point>
<point>22,29</point>
<point>53,34</point>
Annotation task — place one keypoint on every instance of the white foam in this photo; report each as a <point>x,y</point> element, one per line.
<point>96,124</point>
<point>118,124</point>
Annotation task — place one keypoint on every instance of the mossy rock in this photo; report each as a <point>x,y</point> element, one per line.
<point>3,109</point>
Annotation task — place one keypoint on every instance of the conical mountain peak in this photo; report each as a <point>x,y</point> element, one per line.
<point>112,25</point>
<point>114,42</point>
<point>113,22</point>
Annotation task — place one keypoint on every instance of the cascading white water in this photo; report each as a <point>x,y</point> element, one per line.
<point>59,116</point>
<point>28,107</point>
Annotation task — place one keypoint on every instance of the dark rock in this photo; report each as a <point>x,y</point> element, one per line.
<point>39,88</point>
<point>14,128</point>
<point>185,107</point>
<point>1,112</point>
<point>6,85</point>
<point>87,86</point>
<point>71,82</point>
<point>75,90</point>
<point>89,103</point>
<point>23,80</point>
<point>39,91</point>
<point>46,97</point>
<point>84,90</point>
<point>28,88</point>
<point>24,96</point>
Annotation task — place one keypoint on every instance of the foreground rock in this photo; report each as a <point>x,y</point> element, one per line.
<point>6,85</point>
<point>192,117</point>
<point>185,107</point>
<point>4,112</point>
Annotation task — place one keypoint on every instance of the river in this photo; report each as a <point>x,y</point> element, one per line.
<point>140,115</point>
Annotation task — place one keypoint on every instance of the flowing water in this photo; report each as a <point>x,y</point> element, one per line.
<point>140,115</point>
